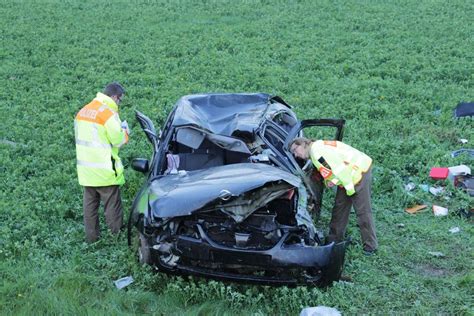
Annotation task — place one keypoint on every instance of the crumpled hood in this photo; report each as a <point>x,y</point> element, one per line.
<point>184,194</point>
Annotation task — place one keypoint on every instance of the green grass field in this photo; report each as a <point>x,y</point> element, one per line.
<point>394,70</point>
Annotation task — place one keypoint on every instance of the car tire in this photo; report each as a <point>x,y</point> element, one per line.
<point>144,256</point>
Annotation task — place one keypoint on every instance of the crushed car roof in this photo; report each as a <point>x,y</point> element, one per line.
<point>224,114</point>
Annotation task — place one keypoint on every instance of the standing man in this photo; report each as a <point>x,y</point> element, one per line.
<point>99,135</point>
<point>351,170</point>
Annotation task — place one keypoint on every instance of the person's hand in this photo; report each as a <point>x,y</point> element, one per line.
<point>125,127</point>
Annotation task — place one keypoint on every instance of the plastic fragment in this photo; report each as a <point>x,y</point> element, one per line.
<point>439,210</point>
<point>436,254</point>
<point>466,183</point>
<point>400,225</point>
<point>123,282</point>
<point>454,230</point>
<point>465,212</point>
<point>439,173</point>
<point>464,109</point>
<point>460,170</point>
<point>320,311</point>
<point>460,151</point>
<point>424,187</point>
<point>416,208</point>
<point>463,141</point>
<point>410,186</point>
<point>436,190</point>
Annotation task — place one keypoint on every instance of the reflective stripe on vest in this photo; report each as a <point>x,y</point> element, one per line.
<point>98,165</point>
<point>93,144</point>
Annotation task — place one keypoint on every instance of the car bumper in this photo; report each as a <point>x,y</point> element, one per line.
<point>327,261</point>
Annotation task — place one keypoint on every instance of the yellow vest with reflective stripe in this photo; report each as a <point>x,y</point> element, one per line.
<point>341,164</point>
<point>99,136</point>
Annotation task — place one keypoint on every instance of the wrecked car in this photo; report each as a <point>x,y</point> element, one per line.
<point>225,199</point>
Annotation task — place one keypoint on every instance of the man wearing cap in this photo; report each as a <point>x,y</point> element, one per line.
<point>351,171</point>
<point>99,134</point>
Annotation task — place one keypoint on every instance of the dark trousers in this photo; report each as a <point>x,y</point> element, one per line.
<point>363,209</point>
<point>110,197</point>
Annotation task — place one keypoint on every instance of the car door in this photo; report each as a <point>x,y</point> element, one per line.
<point>327,129</point>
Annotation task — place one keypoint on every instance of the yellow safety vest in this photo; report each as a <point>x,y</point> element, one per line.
<point>99,136</point>
<point>339,164</point>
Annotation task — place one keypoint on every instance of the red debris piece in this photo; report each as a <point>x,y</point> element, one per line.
<point>439,173</point>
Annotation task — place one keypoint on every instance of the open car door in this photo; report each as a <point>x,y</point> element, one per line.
<point>326,129</point>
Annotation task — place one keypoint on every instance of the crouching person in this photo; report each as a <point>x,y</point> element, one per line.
<point>351,171</point>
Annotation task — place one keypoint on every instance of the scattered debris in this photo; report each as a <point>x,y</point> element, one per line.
<point>464,109</point>
<point>460,170</point>
<point>424,187</point>
<point>415,209</point>
<point>436,254</point>
<point>320,311</point>
<point>466,183</point>
<point>439,210</point>
<point>454,230</point>
<point>410,186</point>
<point>439,173</point>
<point>456,173</point>
<point>456,153</point>
<point>463,141</point>
<point>466,213</point>
<point>436,190</point>
<point>123,282</point>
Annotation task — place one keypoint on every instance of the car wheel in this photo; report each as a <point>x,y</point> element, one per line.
<point>143,250</point>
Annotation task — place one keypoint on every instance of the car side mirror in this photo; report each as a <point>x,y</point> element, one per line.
<point>140,164</point>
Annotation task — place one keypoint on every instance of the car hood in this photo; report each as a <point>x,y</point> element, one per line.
<point>188,192</point>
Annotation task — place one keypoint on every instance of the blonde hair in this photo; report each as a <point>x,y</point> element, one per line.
<point>301,141</point>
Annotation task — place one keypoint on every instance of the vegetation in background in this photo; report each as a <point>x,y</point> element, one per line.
<point>394,70</point>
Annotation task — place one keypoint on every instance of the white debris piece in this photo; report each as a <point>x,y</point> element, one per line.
<point>436,254</point>
<point>460,170</point>
<point>123,282</point>
<point>410,186</point>
<point>439,210</point>
<point>424,187</point>
<point>436,190</point>
<point>454,230</point>
<point>320,311</point>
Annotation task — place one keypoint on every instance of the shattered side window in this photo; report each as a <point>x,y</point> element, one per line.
<point>274,137</point>
<point>285,121</point>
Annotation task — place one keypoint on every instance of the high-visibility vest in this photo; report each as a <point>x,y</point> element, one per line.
<point>99,136</point>
<point>339,164</point>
